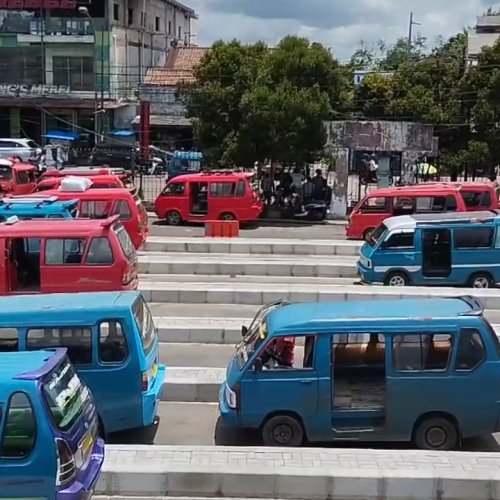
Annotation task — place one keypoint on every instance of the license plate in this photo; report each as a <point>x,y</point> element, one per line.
<point>154,370</point>
<point>87,443</point>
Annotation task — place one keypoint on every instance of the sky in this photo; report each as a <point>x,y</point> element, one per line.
<point>338,24</point>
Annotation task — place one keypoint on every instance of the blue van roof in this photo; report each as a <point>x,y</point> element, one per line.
<point>65,302</point>
<point>27,205</point>
<point>304,315</point>
<point>27,365</point>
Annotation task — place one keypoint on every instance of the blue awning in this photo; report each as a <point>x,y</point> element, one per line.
<point>122,133</point>
<point>61,135</point>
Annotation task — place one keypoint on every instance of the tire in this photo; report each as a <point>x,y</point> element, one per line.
<point>173,218</point>
<point>481,280</point>
<point>227,216</point>
<point>436,433</point>
<point>367,232</point>
<point>282,430</point>
<point>396,278</point>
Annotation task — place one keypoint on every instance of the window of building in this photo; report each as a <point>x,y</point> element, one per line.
<point>130,17</point>
<point>170,27</point>
<point>180,33</point>
<point>157,23</point>
<point>76,339</point>
<point>75,72</point>
<point>400,240</point>
<point>112,343</point>
<point>64,251</point>
<point>9,340</point>
<point>116,12</point>
<point>421,352</point>
<point>19,432</point>
<point>471,352</point>
<point>479,237</point>
<point>222,189</point>
<point>100,252</point>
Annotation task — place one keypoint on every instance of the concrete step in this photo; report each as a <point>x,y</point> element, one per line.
<point>230,291</point>
<point>247,264</point>
<point>253,246</point>
<point>192,384</point>
<point>312,473</point>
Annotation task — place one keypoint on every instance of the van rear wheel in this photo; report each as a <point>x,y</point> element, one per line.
<point>227,216</point>
<point>481,280</point>
<point>173,218</point>
<point>282,430</point>
<point>436,433</point>
<point>396,279</point>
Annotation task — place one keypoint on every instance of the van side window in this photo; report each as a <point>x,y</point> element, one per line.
<point>19,432</point>
<point>280,353</point>
<point>100,252</point>
<point>175,189</point>
<point>55,216</point>
<point>222,189</point>
<point>122,209</point>
<point>421,352</point>
<point>78,341</point>
<point>480,237</point>
<point>471,352</point>
<point>9,340</point>
<point>241,188</point>
<point>64,252</point>
<point>451,203</point>
<point>94,209</point>
<point>112,343</point>
<point>400,240</point>
<point>375,205</point>
<point>426,204</point>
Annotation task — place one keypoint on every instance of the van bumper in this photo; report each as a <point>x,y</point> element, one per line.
<point>83,490</point>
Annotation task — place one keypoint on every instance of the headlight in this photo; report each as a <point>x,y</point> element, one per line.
<point>365,262</point>
<point>230,397</point>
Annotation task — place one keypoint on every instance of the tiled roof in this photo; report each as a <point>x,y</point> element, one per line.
<point>179,68</point>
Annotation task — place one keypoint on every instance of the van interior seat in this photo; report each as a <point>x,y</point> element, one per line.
<point>359,354</point>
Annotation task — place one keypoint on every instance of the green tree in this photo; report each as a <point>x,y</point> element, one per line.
<point>373,96</point>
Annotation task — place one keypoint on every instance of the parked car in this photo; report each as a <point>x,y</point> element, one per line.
<point>24,148</point>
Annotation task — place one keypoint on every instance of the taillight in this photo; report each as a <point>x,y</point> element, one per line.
<point>144,381</point>
<point>66,469</point>
<point>128,275</point>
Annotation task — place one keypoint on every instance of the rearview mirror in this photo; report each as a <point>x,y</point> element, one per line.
<point>257,365</point>
<point>244,330</point>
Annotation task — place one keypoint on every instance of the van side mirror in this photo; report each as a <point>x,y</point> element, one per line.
<point>244,330</point>
<point>257,365</point>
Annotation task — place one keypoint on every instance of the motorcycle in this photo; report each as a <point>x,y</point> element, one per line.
<point>314,210</point>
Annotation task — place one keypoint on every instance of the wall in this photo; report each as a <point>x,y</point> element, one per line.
<point>163,100</point>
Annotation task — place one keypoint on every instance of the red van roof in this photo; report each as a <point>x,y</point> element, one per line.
<point>219,175</point>
<point>415,189</point>
<point>94,194</point>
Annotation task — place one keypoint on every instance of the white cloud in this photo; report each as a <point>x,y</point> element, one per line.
<point>339,24</point>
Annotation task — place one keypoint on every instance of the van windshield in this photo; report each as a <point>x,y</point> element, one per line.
<point>376,234</point>
<point>256,334</point>
<point>5,173</point>
<point>125,242</point>
<point>65,394</point>
<point>145,323</point>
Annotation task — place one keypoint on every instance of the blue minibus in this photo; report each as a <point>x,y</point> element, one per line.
<point>112,341</point>
<point>37,207</point>
<point>49,443</point>
<point>425,249</point>
<point>401,370</point>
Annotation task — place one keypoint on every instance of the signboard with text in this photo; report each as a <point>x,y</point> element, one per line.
<point>29,90</point>
<point>38,4</point>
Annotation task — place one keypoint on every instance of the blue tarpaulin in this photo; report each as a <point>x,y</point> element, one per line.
<point>61,135</point>
<point>122,133</point>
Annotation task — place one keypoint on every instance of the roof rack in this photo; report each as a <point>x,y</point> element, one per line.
<point>467,218</point>
<point>21,200</point>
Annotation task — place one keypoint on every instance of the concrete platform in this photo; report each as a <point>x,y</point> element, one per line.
<point>253,246</point>
<point>296,474</point>
<point>216,291</point>
<point>192,385</point>
<point>247,264</point>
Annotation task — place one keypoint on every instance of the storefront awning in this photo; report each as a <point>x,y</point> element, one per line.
<point>166,121</point>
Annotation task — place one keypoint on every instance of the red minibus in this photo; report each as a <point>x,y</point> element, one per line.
<point>209,196</point>
<point>102,203</point>
<point>125,176</point>
<point>16,177</point>
<point>66,255</point>
<point>98,182</point>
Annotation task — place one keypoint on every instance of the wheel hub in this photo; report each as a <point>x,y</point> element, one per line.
<point>282,434</point>
<point>436,437</point>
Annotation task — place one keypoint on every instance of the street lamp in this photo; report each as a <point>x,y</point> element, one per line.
<point>84,11</point>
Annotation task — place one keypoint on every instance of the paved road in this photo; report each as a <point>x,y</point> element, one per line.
<point>194,424</point>
<point>264,230</point>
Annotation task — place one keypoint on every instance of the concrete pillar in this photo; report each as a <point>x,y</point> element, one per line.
<point>15,122</point>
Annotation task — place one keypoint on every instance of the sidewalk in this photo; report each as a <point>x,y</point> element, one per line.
<point>298,473</point>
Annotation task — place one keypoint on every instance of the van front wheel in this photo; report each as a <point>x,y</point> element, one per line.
<point>396,279</point>
<point>480,280</point>
<point>282,430</point>
<point>173,218</point>
<point>436,433</point>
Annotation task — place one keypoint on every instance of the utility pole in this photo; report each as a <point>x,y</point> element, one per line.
<point>410,32</point>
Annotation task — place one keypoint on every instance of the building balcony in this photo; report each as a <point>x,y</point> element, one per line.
<point>476,41</point>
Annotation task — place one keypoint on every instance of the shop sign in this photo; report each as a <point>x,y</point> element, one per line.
<point>38,4</point>
<point>28,90</point>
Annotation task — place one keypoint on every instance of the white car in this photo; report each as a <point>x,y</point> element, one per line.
<point>25,148</point>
